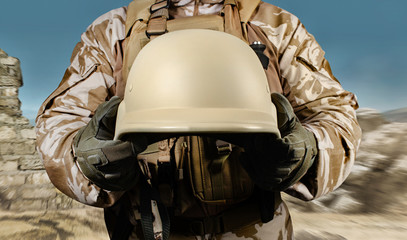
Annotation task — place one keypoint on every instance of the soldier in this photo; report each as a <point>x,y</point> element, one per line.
<point>76,121</point>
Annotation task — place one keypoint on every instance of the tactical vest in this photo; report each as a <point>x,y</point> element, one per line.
<point>147,19</point>
<point>199,178</point>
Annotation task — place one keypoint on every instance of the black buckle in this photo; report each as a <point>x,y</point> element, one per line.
<point>160,6</point>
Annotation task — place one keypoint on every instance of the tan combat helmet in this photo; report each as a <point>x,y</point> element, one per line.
<point>196,81</point>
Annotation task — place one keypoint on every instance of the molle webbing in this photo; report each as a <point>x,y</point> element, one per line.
<point>157,24</point>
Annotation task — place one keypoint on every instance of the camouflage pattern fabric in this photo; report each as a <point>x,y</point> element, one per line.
<point>319,101</point>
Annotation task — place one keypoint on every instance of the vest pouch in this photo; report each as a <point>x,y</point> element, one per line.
<point>156,165</point>
<point>216,177</point>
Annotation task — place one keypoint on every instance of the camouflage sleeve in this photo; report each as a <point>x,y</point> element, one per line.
<point>318,99</point>
<point>87,82</point>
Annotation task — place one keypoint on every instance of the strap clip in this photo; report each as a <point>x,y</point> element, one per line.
<point>159,5</point>
<point>223,147</point>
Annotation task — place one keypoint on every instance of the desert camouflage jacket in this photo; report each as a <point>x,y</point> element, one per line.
<point>318,99</point>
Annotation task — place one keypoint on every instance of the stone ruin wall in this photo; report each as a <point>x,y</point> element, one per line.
<point>24,184</point>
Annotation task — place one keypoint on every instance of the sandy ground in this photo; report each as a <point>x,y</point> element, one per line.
<point>88,224</point>
<point>52,225</point>
<point>329,226</point>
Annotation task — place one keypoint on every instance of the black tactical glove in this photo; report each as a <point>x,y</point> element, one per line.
<point>277,163</point>
<point>110,164</point>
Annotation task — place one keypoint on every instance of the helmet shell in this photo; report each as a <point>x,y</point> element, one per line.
<point>196,81</point>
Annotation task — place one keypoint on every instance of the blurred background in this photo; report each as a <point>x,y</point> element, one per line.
<point>364,42</point>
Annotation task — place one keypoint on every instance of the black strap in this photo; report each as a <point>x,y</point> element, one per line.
<point>268,203</point>
<point>123,227</point>
<point>147,194</point>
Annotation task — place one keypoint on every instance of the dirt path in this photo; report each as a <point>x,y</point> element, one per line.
<point>350,227</point>
<point>62,225</point>
<point>88,224</point>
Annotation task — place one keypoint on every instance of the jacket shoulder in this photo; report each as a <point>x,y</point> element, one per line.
<point>118,14</point>
<point>279,25</point>
<point>110,23</point>
<point>105,32</point>
<point>275,16</point>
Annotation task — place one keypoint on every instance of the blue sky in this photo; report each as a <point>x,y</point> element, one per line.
<point>365,42</point>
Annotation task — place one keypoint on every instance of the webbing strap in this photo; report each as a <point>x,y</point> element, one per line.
<point>155,221</point>
<point>157,24</point>
<point>224,151</point>
<point>159,4</point>
<point>156,27</point>
<point>232,19</point>
<point>163,12</point>
<point>147,218</point>
<point>216,175</point>
<point>137,10</point>
<point>246,9</point>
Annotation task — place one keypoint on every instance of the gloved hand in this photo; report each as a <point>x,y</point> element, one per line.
<point>277,163</point>
<point>110,164</point>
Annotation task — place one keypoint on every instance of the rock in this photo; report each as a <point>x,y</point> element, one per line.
<point>10,61</point>
<point>305,235</point>
<point>12,180</point>
<point>67,225</point>
<point>34,192</point>
<point>38,178</point>
<point>370,119</point>
<point>28,133</point>
<point>9,92</point>
<point>24,184</point>
<point>31,162</point>
<point>7,133</point>
<point>30,204</point>
<point>11,103</point>
<point>10,81</point>
<point>398,115</point>
<point>340,201</point>
<point>3,54</point>
<point>7,166</point>
<point>377,181</point>
<point>6,119</point>
<point>22,121</point>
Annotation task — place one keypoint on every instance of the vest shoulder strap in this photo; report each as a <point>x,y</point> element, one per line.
<point>140,9</point>
<point>247,8</point>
